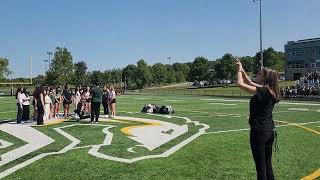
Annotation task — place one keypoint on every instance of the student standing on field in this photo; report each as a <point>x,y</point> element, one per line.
<point>67,100</point>
<point>266,94</point>
<point>39,104</point>
<point>96,99</point>
<point>112,102</point>
<point>58,101</point>
<point>77,96</point>
<point>19,105</point>
<point>87,96</point>
<point>105,101</point>
<point>25,105</point>
<point>52,95</point>
<point>47,105</point>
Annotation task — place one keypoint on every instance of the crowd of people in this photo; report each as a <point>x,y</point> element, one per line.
<point>306,86</point>
<point>48,100</point>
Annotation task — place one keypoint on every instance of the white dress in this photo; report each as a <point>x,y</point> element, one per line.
<point>47,102</point>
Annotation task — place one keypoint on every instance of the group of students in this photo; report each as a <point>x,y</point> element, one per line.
<point>47,102</point>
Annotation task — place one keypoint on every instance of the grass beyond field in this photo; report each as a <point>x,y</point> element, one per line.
<point>223,152</point>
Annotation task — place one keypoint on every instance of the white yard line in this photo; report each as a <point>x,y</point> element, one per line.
<point>238,100</point>
<point>223,104</point>
<point>247,129</point>
<point>299,109</point>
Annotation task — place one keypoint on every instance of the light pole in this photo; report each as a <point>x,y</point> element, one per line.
<point>261,53</point>
<point>49,54</point>
<point>45,65</point>
<point>169,58</point>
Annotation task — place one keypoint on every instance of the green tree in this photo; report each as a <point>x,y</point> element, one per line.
<point>271,59</point>
<point>247,63</point>
<point>184,68</point>
<point>199,69</point>
<point>80,73</point>
<point>143,74</point>
<point>4,68</point>
<point>61,70</point>
<point>159,72</point>
<point>226,67</point>
<point>96,77</point>
<point>129,76</point>
<point>180,77</point>
<point>170,75</point>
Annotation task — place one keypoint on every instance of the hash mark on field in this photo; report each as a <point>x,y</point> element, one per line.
<point>223,104</point>
<point>172,100</point>
<point>298,109</point>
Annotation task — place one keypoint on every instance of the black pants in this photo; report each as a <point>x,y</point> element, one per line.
<point>40,114</point>
<point>19,113</point>
<point>95,110</point>
<point>26,113</point>
<point>106,108</point>
<point>261,146</point>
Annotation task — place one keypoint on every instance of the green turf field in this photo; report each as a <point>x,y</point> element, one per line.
<point>222,152</point>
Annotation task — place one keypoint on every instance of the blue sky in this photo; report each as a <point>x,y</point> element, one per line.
<point>111,34</point>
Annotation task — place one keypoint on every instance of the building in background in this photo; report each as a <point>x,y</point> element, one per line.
<point>302,57</point>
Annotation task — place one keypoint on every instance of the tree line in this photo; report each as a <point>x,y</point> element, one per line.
<point>137,76</point>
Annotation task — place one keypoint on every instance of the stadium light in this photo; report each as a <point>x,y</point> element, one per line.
<point>169,59</point>
<point>49,54</point>
<point>261,53</point>
<point>45,65</point>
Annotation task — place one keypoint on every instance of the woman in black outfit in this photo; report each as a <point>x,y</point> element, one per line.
<point>39,104</point>
<point>266,95</point>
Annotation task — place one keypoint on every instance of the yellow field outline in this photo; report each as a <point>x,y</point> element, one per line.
<point>127,130</point>
<point>316,174</point>
<point>52,122</point>
<point>116,121</point>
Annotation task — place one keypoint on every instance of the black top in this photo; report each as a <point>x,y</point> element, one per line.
<point>261,106</point>
<point>67,94</point>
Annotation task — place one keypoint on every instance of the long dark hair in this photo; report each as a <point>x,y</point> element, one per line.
<point>18,91</point>
<point>24,91</point>
<point>38,92</point>
<point>270,79</point>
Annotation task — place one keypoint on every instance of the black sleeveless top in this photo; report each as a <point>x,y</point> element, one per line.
<point>261,106</point>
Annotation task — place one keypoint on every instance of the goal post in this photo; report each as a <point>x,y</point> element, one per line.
<point>13,84</point>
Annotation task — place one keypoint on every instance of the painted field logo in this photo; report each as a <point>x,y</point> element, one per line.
<point>138,139</point>
<point>125,139</point>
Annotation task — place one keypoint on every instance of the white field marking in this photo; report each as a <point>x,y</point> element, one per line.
<point>131,150</point>
<point>141,98</point>
<point>198,112</point>
<point>237,100</point>
<point>298,109</point>
<point>5,144</point>
<point>225,100</point>
<point>247,129</point>
<point>172,100</point>
<point>277,112</point>
<point>7,112</point>
<point>35,140</point>
<point>318,110</point>
<point>74,143</point>
<point>223,104</point>
<point>95,148</point>
<point>164,154</point>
